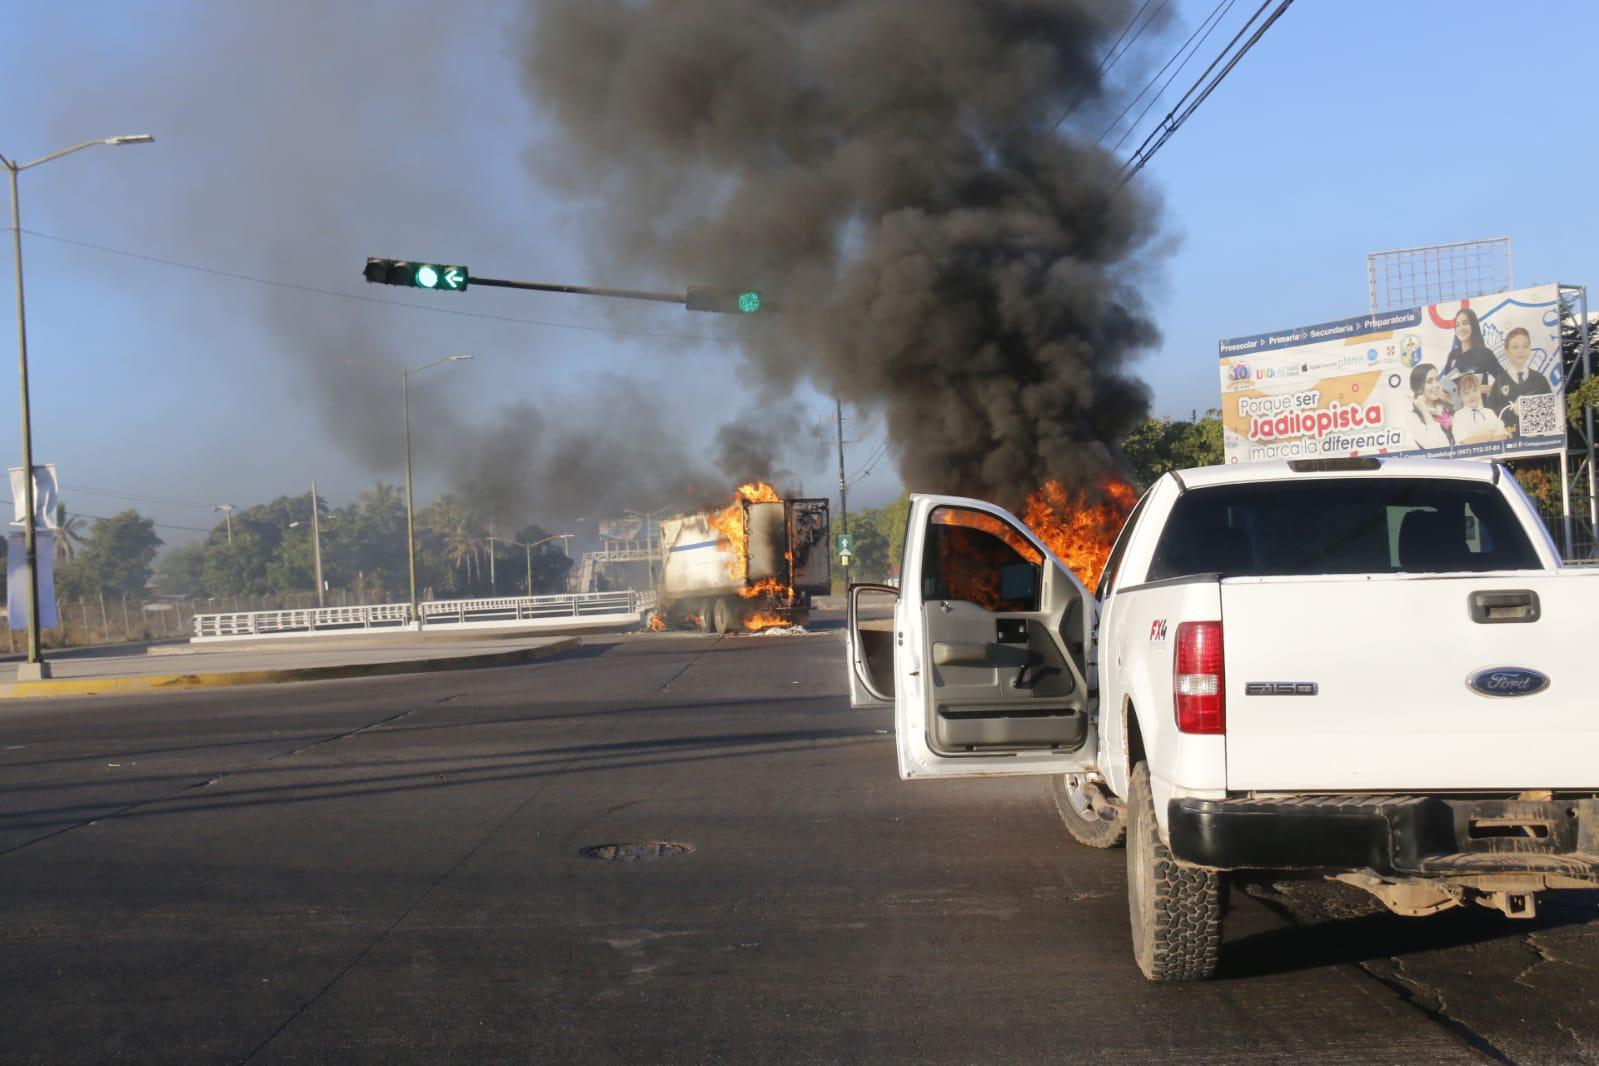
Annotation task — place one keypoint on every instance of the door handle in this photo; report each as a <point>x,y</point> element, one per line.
<point>1498,606</point>
<point>1021,675</point>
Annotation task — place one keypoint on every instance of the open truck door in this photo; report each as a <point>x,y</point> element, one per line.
<point>986,659</point>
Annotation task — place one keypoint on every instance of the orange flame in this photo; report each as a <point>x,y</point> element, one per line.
<point>729,522</point>
<point>763,620</point>
<point>766,586</point>
<point>1080,532</point>
<point>656,624</point>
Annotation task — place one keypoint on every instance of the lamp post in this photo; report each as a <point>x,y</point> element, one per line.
<point>410,499</point>
<point>316,545</point>
<point>529,549</point>
<point>35,667</point>
<point>227,510</point>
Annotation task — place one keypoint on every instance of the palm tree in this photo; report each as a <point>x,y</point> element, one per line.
<point>381,498</point>
<point>463,546</point>
<point>69,533</point>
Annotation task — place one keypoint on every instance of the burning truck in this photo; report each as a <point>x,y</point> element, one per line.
<point>754,564</point>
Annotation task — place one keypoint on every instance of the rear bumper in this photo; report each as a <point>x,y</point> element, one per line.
<point>1393,835</point>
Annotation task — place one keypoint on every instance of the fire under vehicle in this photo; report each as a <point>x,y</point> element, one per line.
<point>752,565</point>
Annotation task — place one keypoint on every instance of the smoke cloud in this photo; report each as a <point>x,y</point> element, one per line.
<point>772,443</point>
<point>888,173</point>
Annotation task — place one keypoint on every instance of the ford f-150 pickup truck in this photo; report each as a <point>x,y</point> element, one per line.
<point>1370,669</point>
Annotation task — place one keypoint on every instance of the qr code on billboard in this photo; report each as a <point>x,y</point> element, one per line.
<point>1540,416</point>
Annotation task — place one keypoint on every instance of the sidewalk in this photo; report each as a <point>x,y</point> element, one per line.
<point>221,665</point>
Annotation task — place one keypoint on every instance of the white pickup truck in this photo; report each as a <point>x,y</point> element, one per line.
<point>1367,669</point>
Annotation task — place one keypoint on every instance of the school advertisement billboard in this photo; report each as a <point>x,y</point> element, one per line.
<point>1478,379</point>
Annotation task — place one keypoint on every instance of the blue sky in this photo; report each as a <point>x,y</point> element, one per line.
<point>291,144</point>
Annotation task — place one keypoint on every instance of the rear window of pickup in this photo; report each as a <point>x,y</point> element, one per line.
<point>1367,525</point>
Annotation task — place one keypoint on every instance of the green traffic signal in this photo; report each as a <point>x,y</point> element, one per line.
<point>417,275</point>
<point>724,301</point>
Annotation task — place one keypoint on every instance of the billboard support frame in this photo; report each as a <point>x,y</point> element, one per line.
<point>1578,295</point>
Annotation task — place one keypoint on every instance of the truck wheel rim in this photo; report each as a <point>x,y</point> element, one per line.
<point>1080,797</point>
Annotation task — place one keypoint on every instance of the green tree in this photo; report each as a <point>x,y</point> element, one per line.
<point>1159,445</point>
<point>115,559</point>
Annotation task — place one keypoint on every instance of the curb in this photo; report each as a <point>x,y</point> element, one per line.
<point>99,686</point>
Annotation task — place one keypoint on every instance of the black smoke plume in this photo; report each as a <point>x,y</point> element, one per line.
<point>890,175</point>
<point>773,443</point>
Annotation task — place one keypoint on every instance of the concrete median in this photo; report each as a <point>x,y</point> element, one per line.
<point>109,676</point>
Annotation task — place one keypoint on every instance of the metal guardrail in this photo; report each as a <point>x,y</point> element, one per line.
<point>588,607</point>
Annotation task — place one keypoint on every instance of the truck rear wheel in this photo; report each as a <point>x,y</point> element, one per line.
<point>707,623</point>
<point>1175,909</point>
<point>1091,817</point>
<point>721,616</point>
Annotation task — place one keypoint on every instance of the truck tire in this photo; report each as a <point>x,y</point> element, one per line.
<point>707,623</point>
<point>721,616</point>
<point>1091,817</point>
<point>1175,909</point>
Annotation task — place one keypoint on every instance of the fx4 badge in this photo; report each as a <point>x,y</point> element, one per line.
<point>1505,681</point>
<point>1157,631</point>
<point>1281,688</point>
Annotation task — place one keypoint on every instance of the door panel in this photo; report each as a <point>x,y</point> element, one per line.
<point>986,679</point>
<point>870,644</point>
<point>999,680</point>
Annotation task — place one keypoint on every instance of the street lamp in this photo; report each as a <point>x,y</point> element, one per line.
<point>35,667</point>
<point>410,499</point>
<point>535,544</point>
<point>227,510</point>
<point>316,544</point>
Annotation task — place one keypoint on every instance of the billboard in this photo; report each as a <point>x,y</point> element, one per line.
<point>1477,379</point>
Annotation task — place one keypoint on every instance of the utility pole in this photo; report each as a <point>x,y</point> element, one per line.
<point>316,546</point>
<point>843,486</point>
<point>227,513</point>
<point>410,496</point>
<point>494,589</point>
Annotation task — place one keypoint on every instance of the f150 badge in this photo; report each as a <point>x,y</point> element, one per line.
<point>1281,688</point>
<point>1507,681</point>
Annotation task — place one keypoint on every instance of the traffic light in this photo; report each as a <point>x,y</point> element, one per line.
<point>417,275</point>
<point>723,300</point>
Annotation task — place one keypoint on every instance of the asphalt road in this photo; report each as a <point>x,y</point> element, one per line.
<point>391,870</point>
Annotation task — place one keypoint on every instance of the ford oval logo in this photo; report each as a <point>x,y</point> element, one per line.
<point>1507,681</point>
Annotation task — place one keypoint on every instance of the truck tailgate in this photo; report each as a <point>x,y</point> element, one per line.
<point>1390,657</point>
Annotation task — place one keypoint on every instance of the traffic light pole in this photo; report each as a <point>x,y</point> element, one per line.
<point>843,487</point>
<point>583,290</point>
<point>443,277</point>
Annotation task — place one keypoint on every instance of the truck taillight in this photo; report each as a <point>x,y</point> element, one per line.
<point>1199,684</point>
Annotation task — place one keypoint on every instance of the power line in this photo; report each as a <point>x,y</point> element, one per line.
<point>1112,57</point>
<point>1211,21</point>
<point>1167,84</point>
<point>296,287</point>
<point>106,518</point>
<point>1173,121</point>
<point>170,501</point>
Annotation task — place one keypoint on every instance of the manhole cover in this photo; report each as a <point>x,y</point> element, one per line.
<point>655,849</point>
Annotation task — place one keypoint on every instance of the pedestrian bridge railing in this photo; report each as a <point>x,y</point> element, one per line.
<point>513,612</point>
